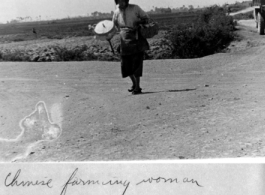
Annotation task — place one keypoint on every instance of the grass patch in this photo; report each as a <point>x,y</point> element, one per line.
<point>78,53</point>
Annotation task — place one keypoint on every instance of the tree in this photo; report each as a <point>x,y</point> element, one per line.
<point>191,8</point>
<point>183,8</point>
<point>94,14</point>
<point>14,21</point>
<point>168,10</point>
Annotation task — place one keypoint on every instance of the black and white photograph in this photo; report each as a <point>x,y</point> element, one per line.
<point>128,80</point>
<point>128,97</point>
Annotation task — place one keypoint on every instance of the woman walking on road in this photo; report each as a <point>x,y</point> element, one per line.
<point>127,18</point>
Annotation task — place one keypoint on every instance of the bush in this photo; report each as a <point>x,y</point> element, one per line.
<point>212,31</point>
<point>13,55</point>
<point>59,53</point>
<point>68,54</point>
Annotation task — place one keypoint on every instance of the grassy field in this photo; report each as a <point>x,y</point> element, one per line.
<point>59,29</point>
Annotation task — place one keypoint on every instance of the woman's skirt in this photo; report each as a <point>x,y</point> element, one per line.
<point>132,64</point>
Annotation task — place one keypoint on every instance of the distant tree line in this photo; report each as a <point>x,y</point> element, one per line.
<point>155,10</point>
<point>102,15</point>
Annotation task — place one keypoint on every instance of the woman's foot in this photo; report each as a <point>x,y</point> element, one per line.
<point>137,91</point>
<point>132,88</point>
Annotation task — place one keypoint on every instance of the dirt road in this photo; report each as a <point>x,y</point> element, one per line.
<point>212,107</point>
<point>249,9</point>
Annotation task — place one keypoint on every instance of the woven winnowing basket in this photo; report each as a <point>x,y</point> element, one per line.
<point>105,30</point>
<point>149,30</point>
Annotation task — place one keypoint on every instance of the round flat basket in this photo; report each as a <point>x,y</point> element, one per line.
<point>105,30</point>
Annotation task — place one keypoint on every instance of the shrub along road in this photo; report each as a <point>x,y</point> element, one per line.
<point>211,107</point>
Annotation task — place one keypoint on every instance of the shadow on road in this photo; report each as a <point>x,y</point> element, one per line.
<point>180,90</point>
<point>171,91</point>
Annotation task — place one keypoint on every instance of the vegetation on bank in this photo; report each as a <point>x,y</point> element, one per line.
<point>210,33</point>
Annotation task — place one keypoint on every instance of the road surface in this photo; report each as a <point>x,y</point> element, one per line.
<point>211,107</point>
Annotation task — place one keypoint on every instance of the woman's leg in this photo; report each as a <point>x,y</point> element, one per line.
<point>137,89</point>
<point>138,73</point>
<point>134,82</point>
<point>137,85</point>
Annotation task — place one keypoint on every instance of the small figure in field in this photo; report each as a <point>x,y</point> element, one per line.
<point>34,32</point>
<point>228,10</point>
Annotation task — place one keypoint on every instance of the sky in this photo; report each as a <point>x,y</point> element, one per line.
<point>53,9</point>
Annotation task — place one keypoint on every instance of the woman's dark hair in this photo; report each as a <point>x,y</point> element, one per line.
<point>117,2</point>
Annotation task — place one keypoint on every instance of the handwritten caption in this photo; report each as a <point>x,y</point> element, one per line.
<point>14,180</point>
